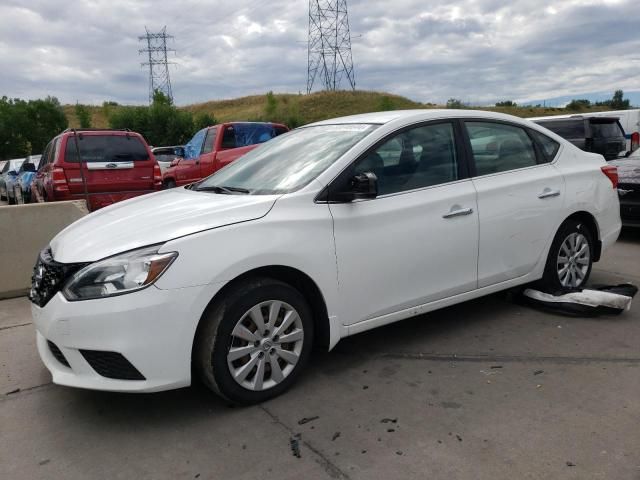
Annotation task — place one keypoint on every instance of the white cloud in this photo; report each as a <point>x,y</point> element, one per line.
<point>477,50</point>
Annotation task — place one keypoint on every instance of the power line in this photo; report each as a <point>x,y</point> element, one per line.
<point>157,62</point>
<point>329,45</point>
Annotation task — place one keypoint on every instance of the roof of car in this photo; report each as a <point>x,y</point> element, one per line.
<point>426,114</point>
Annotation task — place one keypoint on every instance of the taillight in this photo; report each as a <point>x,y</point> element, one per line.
<point>635,141</point>
<point>59,180</point>
<point>612,173</point>
<point>157,174</point>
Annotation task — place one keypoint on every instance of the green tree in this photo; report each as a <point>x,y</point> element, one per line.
<point>578,104</point>
<point>618,101</point>
<point>203,120</point>
<point>161,123</point>
<point>84,115</point>
<point>506,103</point>
<point>455,103</point>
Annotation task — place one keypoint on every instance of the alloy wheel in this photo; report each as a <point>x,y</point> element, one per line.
<point>573,260</point>
<point>266,345</point>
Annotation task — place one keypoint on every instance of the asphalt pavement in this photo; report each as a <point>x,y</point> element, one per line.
<point>488,389</point>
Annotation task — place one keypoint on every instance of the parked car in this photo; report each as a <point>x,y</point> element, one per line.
<point>330,230</point>
<point>629,190</point>
<point>165,155</point>
<point>26,175</point>
<point>603,135</point>
<point>114,165</point>
<point>630,122</point>
<point>215,147</point>
<point>7,175</point>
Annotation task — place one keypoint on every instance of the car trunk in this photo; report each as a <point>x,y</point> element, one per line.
<point>110,164</point>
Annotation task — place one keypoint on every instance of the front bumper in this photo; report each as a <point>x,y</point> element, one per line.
<point>152,329</point>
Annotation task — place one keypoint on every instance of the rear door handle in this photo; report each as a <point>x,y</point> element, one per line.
<point>548,193</point>
<point>458,212</point>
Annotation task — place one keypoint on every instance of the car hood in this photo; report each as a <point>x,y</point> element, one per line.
<point>628,169</point>
<point>152,219</point>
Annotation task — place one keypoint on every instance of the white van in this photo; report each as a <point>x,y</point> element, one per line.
<point>629,119</point>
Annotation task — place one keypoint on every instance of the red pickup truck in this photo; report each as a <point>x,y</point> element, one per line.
<point>215,147</point>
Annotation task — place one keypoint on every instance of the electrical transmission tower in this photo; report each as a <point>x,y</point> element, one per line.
<point>157,62</point>
<point>329,45</point>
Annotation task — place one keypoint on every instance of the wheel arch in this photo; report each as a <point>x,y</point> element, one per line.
<point>592,225</point>
<point>297,279</point>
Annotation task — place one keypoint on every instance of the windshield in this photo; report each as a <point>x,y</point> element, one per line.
<point>288,162</point>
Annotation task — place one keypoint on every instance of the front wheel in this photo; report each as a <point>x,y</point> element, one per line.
<point>254,342</point>
<point>570,258</point>
<point>169,184</point>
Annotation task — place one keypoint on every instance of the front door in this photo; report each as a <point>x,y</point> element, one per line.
<point>416,242</point>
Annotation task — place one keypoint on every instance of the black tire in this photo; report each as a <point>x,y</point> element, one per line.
<point>214,338</point>
<point>10,201</point>
<point>169,184</point>
<point>551,281</point>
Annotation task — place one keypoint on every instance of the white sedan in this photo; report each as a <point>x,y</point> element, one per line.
<point>327,231</point>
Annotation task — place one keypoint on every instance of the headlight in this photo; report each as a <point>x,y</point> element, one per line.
<point>119,274</point>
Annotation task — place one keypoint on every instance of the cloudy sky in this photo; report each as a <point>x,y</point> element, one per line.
<point>428,50</point>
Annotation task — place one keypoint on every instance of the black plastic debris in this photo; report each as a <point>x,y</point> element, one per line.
<point>304,420</point>
<point>538,372</point>
<point>335,436</point>
<point>295,446</point>
<point>588,302</point>
<point>389,420</point>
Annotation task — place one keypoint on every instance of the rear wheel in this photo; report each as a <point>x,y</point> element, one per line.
<point>570,258</point>
<point>254,342</point>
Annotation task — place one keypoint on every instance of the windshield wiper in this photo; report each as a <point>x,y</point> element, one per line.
<point>221,189</point>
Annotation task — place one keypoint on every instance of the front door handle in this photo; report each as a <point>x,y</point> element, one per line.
<point>457,212</point>
<point>548,193</point>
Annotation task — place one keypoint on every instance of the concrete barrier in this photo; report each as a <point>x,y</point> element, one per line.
<point>24,231</point>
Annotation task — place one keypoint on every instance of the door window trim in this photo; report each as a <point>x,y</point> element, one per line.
<point>462,159</point>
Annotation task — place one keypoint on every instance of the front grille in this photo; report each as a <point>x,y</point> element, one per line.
<point>55,351</point>
<point>111,365</point>
<point>49,277</point>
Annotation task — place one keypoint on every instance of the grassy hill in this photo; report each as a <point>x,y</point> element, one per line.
<point>302,109</point>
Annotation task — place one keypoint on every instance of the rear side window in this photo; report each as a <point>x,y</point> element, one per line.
<point>106,148</point>
<point>244,134</point>
<point>566,128</point>
<point>606,129</point>
<point>547,146</point>
<point>499,147</point>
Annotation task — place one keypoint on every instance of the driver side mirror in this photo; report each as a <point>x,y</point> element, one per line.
<point>174,162</point>
<point>364,186</point>
<point>178,151</point>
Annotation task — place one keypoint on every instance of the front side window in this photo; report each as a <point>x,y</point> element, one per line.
<point>288,162</point>
<point>194,146</point>
<point>420,157</point>
<point>498,147</point>
<point>105,148</point>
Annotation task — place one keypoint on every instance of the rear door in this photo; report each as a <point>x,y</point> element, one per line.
<point>520,197</point>
<point>111,164</point>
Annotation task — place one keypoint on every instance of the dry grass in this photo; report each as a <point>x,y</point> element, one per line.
<point>310,108</point>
